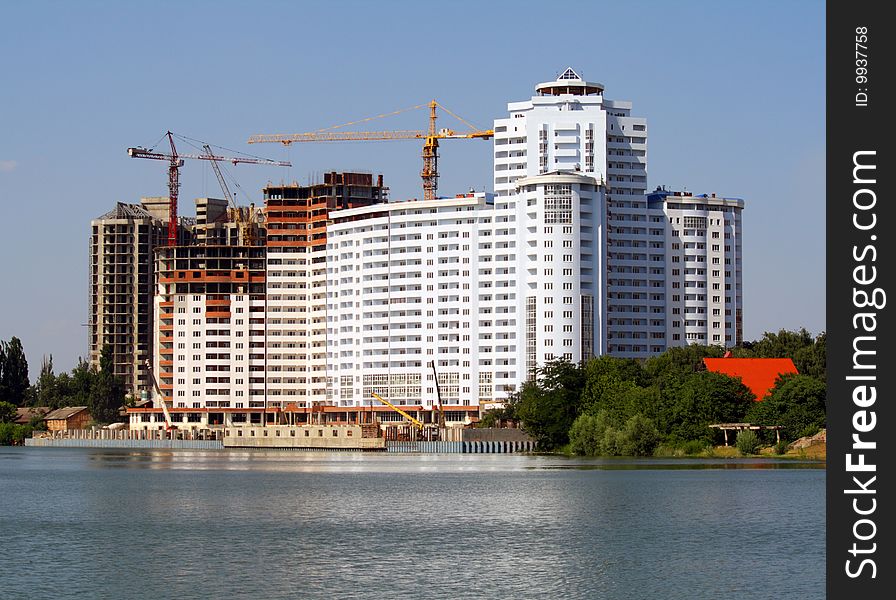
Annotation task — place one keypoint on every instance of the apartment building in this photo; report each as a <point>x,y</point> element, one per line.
<point>121,286</point>
<point>296,281</point>
<point>339,293</point>
<point>486,291</point>
<point>703,259</point>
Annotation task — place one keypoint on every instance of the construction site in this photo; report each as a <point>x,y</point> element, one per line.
<point>252,281</point>
<point>332,304</point>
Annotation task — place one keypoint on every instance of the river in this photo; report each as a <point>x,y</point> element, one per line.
<point>83,523</point>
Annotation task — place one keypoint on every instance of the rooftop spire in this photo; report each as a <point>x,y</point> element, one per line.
<point>569,74</point>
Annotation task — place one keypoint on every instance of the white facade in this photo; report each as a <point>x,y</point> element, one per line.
<point>210,366</point>
<point>296,325</point>
<point>704,263</point>
<point>491,289</point>
<point>420,281</point>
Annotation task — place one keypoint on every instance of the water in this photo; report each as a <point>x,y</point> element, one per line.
<point>82,523</point>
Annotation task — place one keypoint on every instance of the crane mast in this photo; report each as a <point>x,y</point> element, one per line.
<point>430,172</point>
<point>174,166</point>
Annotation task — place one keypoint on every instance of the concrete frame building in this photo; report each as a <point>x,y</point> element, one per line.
<point>120,286</point>
<point>242,318</point>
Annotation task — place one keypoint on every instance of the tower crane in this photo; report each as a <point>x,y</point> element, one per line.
<point>175,162</point>
<point>243,224</point>
<point>431,137</point>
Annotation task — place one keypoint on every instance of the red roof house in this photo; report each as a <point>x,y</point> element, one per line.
<point>758,374</point>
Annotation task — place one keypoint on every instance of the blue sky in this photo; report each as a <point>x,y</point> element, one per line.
<point>733,93</point>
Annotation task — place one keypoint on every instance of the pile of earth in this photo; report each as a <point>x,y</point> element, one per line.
<point>811,446</point>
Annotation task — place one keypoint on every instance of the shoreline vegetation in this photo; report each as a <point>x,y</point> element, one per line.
<point>606,406</point>
<point>664,406</point>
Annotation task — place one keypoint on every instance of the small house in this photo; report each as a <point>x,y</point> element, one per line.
<point>24,415</point>
<point>70,417</point>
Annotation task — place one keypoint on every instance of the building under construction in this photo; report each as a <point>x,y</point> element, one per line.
<point>121,249</point>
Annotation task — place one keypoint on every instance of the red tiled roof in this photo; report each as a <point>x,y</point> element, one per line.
<point>758,374</point>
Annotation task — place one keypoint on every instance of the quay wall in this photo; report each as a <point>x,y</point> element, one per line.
<point>125,443</point>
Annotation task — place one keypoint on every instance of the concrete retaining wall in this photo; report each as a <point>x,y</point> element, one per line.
<point>125,443</point>
<point>322,437</point>
<point>461,447</point>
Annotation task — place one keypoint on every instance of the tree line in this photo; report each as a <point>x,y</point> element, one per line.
<point>102,392</point>
<point>616,406</point>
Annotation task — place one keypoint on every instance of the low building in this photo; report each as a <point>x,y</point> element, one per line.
<point>70,417</point>
<point>24,415</point>
<point>758,374</point>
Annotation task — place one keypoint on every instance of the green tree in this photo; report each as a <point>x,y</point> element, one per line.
<point>797,402</point>
<point>679,363</point>
<point>640,436</point>
<point>14,381</point>
<point>611,384</point>
<point>107,393</point>
<point>548,406</point>
<point>688,408</point>
<point>586,435</point>
<point>77,390</point>
<point>784,344</point>
<point>7,412</point>
<point>46,393</point>
<point>812,360</point>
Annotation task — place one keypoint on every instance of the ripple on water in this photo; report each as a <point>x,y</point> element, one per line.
<point>294,525</point>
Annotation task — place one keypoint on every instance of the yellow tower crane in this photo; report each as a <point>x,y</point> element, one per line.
<point>430,171</point>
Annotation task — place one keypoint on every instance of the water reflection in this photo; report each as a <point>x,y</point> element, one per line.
<point>347,462</point>
<point>267,524</point>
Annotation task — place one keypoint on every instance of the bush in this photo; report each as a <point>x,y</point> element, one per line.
<point>747,442</point>
<point>586,436</point>
<point>694,447</point>
<point>13,435</point>
<point>781,447</point>
<point>640,437</point>
<point>593,435</point>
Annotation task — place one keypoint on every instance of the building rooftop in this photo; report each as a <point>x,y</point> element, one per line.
<point>64,413</point>
<point>758,374</point>
<point>661,194</point>
<point>24,415</point>
<point>569,82</point>
<point>126,211</point>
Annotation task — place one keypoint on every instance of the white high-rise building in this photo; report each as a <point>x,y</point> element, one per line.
<point>570,126</point>
<point>703,259</point>
<point>495,287</point>
<point>351,295</point>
